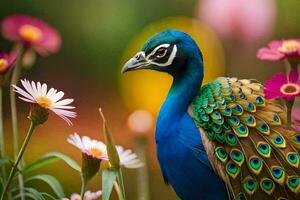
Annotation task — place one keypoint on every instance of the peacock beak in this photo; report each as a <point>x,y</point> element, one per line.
<point>137,62</point>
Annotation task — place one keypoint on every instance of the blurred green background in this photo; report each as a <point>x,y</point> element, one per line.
<point>95,34</point>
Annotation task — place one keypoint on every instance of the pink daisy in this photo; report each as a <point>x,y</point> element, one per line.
<point>280,49</point>
<point>32,32</point>
<point>7,60</point>
<point>283,86</point>
<point>88,195</point>
<point>37,93</point>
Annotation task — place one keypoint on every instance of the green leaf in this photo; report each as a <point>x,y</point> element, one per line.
<point>1,185</point>
<point>108,179</point>
<point>39,163</point>
<point>110,144</point>
<point>32,194</point>
<point>50,158</point>
<point>51,181</point>
<point>48,196</point>
<point>6,161</point>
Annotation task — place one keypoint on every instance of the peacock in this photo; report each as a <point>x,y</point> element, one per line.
<point>221,140</point>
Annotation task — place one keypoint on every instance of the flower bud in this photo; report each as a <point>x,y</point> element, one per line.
<point>38,114</point>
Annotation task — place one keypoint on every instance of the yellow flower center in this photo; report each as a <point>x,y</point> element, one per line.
<point>30,33</point>
<point>289,46</point>
<point>44,102</point>
<point>290,89</point>
<point>3,64</point>
<point>96,152</point>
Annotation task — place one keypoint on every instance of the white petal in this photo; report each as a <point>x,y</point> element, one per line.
<point>57,96</point>
<point>64,102</point>
<point>34,89</point>
<point>27,86</point>
<point>23,93</point>
<point>44,89</point>
<point>51,92</point>
<point>27,100</point>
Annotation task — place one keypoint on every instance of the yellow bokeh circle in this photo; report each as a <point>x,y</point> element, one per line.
<point>146,89</point>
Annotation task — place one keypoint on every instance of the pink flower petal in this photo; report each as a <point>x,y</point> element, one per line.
<point>275,44</point>
<point>294,76</point>
<point>49,43</point>
<point>269,54</point>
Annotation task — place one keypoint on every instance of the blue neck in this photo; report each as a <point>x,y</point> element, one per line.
<point>184,88</point>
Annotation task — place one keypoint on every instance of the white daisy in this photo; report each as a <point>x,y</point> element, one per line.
<point>128,159</point>
<point>94,148</point>
<point>97,149</point>
<point>88,195</point>
<point>37,93</point>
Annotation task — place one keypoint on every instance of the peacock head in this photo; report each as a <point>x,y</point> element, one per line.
<point>167,51</point>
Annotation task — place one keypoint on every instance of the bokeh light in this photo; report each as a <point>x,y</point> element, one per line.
<point>140,122</point>
<point>147,89</point>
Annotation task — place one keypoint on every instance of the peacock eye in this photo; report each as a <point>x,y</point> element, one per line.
<point>161,52</point>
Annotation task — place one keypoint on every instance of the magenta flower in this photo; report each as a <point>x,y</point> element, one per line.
<point>283,86</point>
<point>32,32</point>
<point>243,20</point>
<point>280,49</point>
<point>7,61</point>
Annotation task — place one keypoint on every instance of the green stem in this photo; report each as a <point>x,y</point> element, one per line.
<point>121,183</point>
<point>142,172</point>
<point>14,117</point>
<point>289,106</point>
<point>83,187</point>
<point>287,65</point>
<point>294,65</point>
<point>19,157</point>
<point>118,190</point>
<point>2,143</point>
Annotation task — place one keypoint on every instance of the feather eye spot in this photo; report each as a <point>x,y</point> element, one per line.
<point>276,118</point>
<point>221,154</point>
<point>237,156</point>
<point>267,185</point>
<point>279,141</point>
<point>250,106</point>
<point>232,169</point>
<point>293,159</point>
<point>260,100</point>
<point>241,196</point>
<point>263,128</point>
<point>250,185</point>
<point>278,174</point>
<point>264,149</point>
<point>298,138</point>
<point>250,119</point>
<point>231,139</point>
<point>293,182</point>
<point>255,164</point>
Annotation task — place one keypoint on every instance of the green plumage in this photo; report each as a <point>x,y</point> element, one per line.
<point>237,156</point>
<point>260,156</point>
<point>250,185</point>
<point>278,174</point>
<point>255,164</point>
<point>267,185</point>
<point>232,169</point>
<point>221,154</point>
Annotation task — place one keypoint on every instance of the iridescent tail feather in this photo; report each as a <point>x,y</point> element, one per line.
<point>247,140</point>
